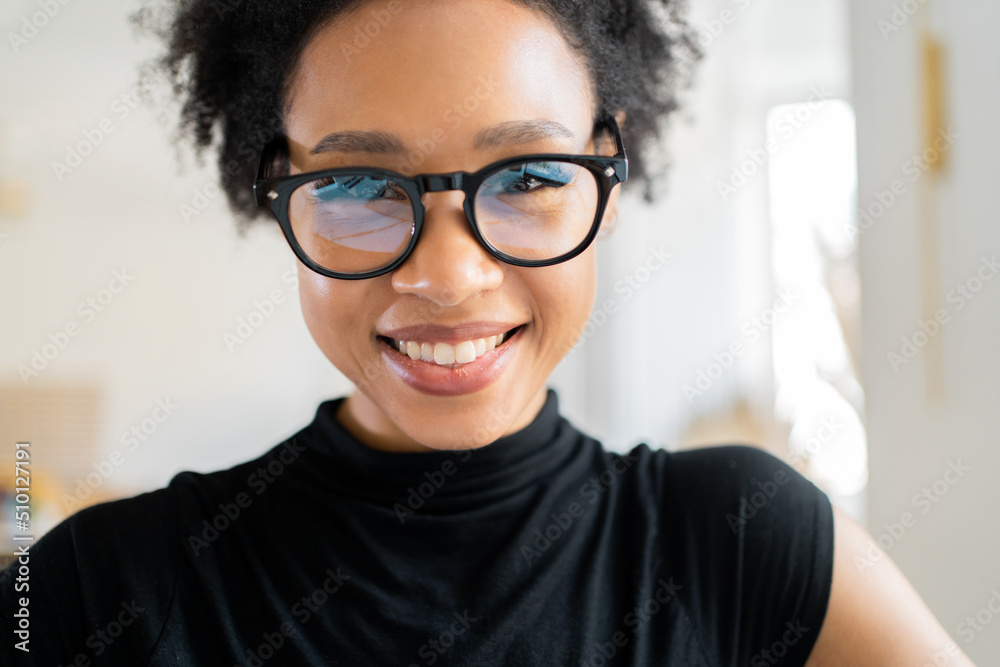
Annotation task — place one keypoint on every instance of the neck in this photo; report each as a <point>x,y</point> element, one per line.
<point>369,424</point>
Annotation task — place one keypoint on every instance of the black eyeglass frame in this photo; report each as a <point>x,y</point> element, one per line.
<point>275,194</point>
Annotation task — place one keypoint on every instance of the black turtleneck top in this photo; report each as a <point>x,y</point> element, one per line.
<point>541,548</point>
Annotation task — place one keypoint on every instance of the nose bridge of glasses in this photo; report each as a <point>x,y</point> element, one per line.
<point>441,182</point>
<point>444,183</point>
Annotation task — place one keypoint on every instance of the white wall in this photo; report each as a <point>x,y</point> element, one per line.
<point>950,555</point>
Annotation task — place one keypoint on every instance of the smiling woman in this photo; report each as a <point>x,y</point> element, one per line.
<point>446,288</point>
<point>440,170</point>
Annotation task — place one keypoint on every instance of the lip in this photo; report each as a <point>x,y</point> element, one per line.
<point>435,380</point>
<point>434,333</point>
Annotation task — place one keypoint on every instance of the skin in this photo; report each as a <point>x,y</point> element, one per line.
<point>427,57</point>
<point>875,617</point>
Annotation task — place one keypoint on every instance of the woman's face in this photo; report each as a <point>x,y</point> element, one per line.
<point>438,76</point>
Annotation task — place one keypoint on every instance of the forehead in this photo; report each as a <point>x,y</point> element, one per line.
<point>436,66</point>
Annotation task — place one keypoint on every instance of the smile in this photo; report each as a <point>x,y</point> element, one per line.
<point>438,368</point>
<point>452,355</point>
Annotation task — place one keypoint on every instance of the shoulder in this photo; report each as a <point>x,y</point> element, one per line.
<point>105,568</point>
<point>754,540</point>
<point>119,562</point>
<point>109,537</point>
<point>740,488</point>
<point>876,618</point>
<point>140,530</point>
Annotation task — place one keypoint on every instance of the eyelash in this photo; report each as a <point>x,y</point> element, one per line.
<point>326,181</point>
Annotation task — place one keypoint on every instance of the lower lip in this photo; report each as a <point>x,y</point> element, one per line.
<point>429,378</point>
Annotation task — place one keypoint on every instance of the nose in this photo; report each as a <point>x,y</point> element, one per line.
<point>448,265</point>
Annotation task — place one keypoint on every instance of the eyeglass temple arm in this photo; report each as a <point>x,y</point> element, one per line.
<point>267,156</point>
<point>621,170</point>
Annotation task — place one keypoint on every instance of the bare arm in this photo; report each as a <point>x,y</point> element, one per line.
<point>875,617</point>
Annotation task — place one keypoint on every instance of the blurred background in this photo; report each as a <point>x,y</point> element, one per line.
<point>830,290</point>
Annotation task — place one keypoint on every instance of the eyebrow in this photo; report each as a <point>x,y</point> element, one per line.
<point>502,134</point>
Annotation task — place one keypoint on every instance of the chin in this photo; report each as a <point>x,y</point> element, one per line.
<point>470,421</point>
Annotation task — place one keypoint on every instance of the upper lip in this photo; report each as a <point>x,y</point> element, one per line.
<point>444,334</point>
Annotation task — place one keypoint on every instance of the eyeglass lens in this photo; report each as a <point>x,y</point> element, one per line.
<point>360,223</point>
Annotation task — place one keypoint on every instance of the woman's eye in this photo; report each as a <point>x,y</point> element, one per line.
<point>356,187</point>
<point>525,184</point>
<point>536,176</point>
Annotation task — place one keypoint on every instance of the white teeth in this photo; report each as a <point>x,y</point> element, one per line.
<point>465,352</point>
<point>446,354</point>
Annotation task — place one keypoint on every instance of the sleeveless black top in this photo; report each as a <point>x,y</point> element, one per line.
<point>541,548</point>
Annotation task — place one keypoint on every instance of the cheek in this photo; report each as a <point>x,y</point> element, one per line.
<point>330,309</point>
<point>313,297</point>
<point>565,297</point>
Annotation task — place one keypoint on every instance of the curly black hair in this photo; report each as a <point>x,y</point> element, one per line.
<point>229,62</point>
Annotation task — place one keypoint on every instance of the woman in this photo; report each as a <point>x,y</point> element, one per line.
<point>444,512</point>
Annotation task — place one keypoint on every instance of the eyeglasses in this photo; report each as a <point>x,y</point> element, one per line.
<point>360,222</point>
